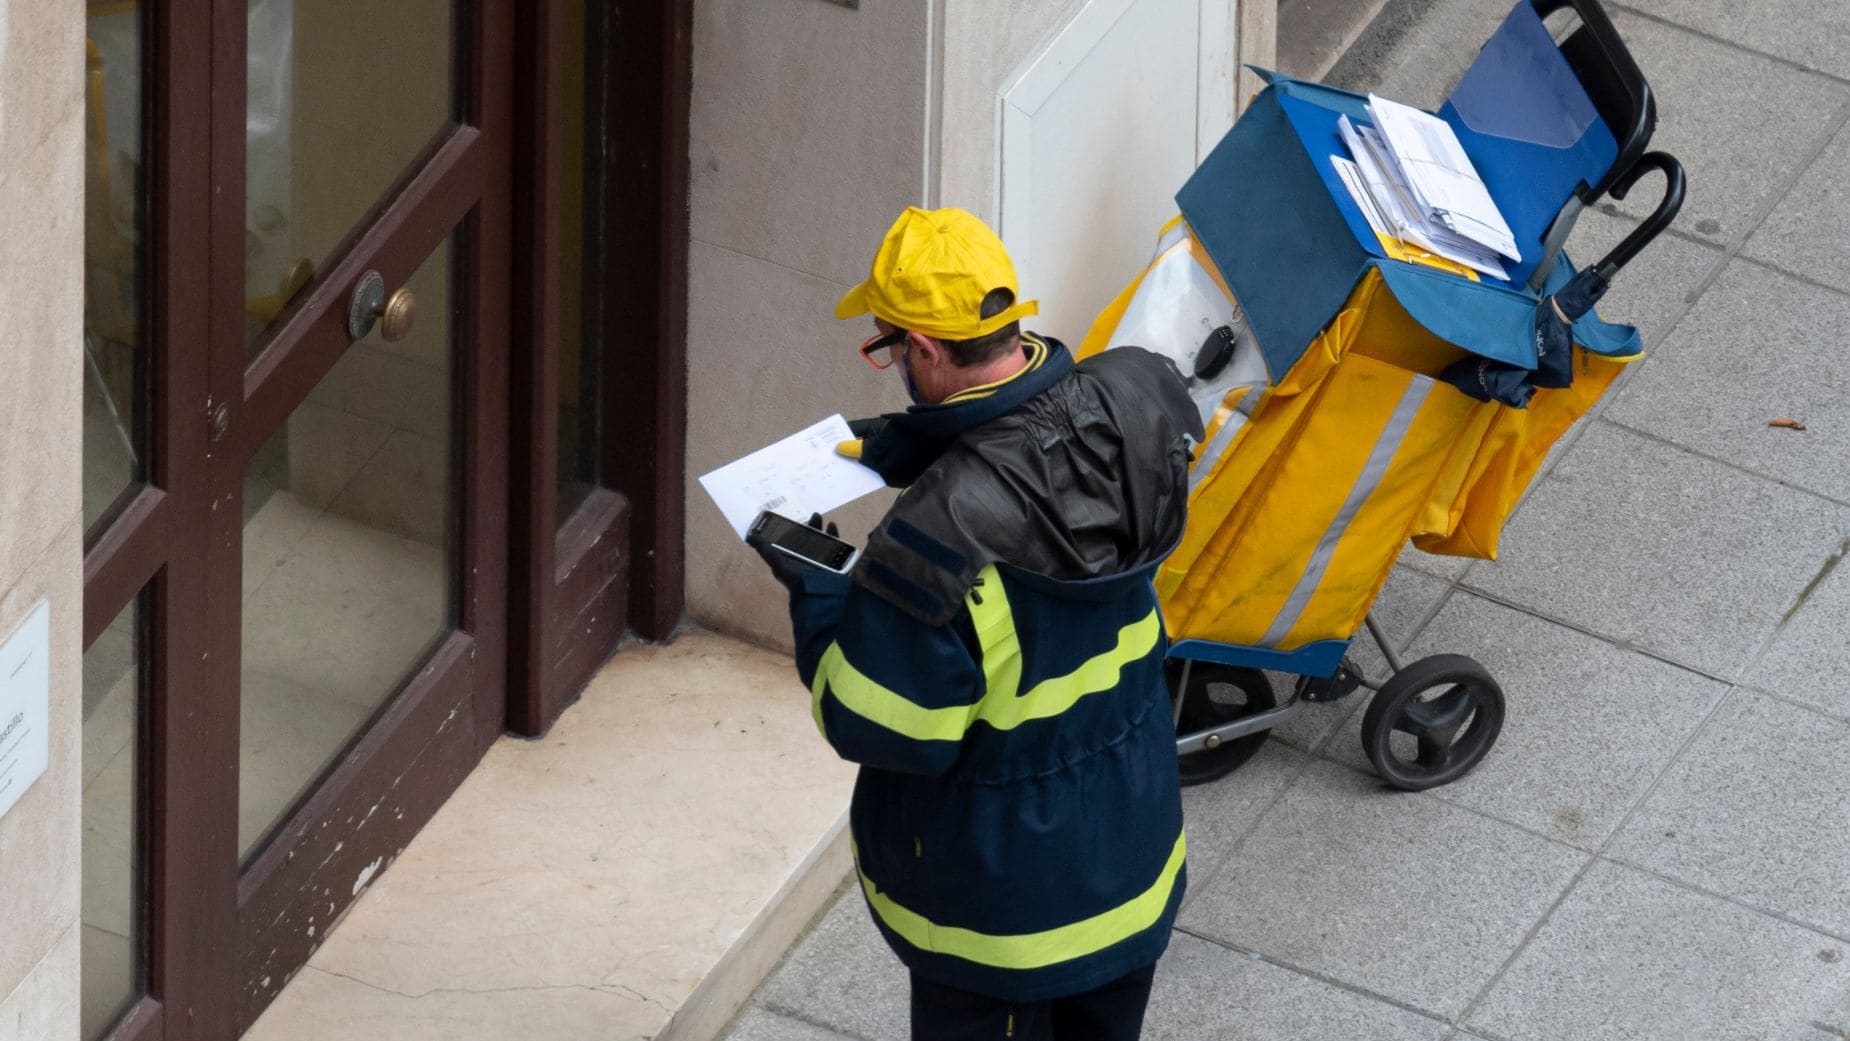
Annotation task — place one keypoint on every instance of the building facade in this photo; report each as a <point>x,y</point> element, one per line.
<point>404,336</point>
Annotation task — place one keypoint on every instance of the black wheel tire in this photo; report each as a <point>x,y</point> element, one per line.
<point>1218,694</point>
<point>1447,712</point>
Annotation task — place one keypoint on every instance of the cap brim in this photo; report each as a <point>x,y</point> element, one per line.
<point>853,303</point>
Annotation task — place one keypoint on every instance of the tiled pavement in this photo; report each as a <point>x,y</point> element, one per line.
<point>1659,847</point>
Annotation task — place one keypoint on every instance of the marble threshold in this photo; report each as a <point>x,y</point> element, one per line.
<point>634,873</point>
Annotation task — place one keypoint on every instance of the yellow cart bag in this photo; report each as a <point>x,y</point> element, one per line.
<point>1306,489</point>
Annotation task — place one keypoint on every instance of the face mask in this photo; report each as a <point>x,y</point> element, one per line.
<point>912,389</point>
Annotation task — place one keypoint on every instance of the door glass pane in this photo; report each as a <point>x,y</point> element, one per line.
<point>580,238</point>
<point>114,343</point>
<point>350,558</point>
<point>341,98</point>
<point>111,943</point>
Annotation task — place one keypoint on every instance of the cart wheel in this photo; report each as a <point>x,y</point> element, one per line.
<point>1432,721</point>
<point>1218,694</point>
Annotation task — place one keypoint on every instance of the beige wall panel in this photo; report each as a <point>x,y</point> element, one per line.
<point>39,837</point>
<point>43,1007</point>
<point>41,51</point>
<point>41,295</point>
<point>766,358</point>
<point>808,128</point>
<point>984,43</point>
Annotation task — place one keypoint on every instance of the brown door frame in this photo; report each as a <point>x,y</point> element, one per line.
<point>578,582</point>
<point>145,549</point>
<point>175,542</point>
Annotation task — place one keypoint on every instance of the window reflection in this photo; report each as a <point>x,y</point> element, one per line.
<point>114,351</point>
<point>111,944</point>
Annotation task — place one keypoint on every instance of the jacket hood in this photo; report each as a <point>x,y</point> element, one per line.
<point>1083,482</point>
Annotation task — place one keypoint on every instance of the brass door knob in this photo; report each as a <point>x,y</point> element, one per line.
<point>396,316</point>
<point>370,306</point>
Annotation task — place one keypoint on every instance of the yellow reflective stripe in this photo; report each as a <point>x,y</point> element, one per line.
<point>1033,950</point>
<point>994,621</point>
<point>875,703</point>
<point>815,695</point>
<point>1054,696</point>
<point>1002,705</point>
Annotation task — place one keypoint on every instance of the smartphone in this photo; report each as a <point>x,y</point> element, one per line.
<point>802,542</point>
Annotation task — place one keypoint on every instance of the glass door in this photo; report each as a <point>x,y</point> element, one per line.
<point>356,602</point>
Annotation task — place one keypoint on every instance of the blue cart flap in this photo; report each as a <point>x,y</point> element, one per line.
<point>1491,320</point>
<point>1259,207</point>
<point>1529,128</point>
<point>1268,209</point>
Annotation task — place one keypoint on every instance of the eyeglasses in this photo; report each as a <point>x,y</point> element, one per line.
<point>879,351</point>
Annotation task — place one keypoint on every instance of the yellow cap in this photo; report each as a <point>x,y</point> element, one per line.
<point>931,275</point>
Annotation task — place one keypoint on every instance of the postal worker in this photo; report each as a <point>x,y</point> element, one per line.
<point>993,660</point>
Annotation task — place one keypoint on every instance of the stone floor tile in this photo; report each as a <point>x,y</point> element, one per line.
<point>1315,722</point>
<point>1221,812</point>
<point>755,1024</point>
<point>1399,894</point>
<point>321,1006</point>
<point>1809,231</point>
<point>1442,567</point>
<point>1629,957</point>
<point>1641,542</point>
<point>1416,52</point>
<point>1758,345</point>
<point>1715,112</point>
<point>1810,655</point>
<point>1205,992</point>
<point>1755,810</point>
<point>843,976</point>
<point>1588,726</point>
<point>1804,32</point>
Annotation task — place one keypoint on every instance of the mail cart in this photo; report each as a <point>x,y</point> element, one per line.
<point>1358,395</point>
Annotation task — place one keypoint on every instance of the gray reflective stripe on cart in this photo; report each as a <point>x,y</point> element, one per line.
<point>1243,413</point>
<point>1386,446</point>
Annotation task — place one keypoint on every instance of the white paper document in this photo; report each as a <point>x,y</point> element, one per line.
<point>1387,204</point>
<point>795,477</point>
<point>1352,180</point>
<point>1440,174</point>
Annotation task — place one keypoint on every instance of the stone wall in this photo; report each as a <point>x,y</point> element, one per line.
<point>41,523</point>
<point>808,137</point>
<point>813,125</point>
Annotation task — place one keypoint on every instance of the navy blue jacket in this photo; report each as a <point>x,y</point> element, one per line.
<point>995,665</point>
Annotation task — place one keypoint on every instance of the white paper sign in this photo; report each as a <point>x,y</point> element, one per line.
<point>25,705</point>
<point>795,477</point>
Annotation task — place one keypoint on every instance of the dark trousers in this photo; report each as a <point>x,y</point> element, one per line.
<point>1113,1012</point>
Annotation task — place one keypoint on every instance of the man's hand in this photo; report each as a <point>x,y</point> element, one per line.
<point>788,569</point>
<point>862,429</point>
<point>866,428</point>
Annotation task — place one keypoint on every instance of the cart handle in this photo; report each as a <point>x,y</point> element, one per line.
<point>1613,81</point>
<point>1659,219</point>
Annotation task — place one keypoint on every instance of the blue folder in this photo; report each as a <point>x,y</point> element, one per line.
<point>1269,208</point>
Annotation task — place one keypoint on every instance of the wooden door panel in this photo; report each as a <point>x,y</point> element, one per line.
<point>447,219</point>
<point>359,820</point>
